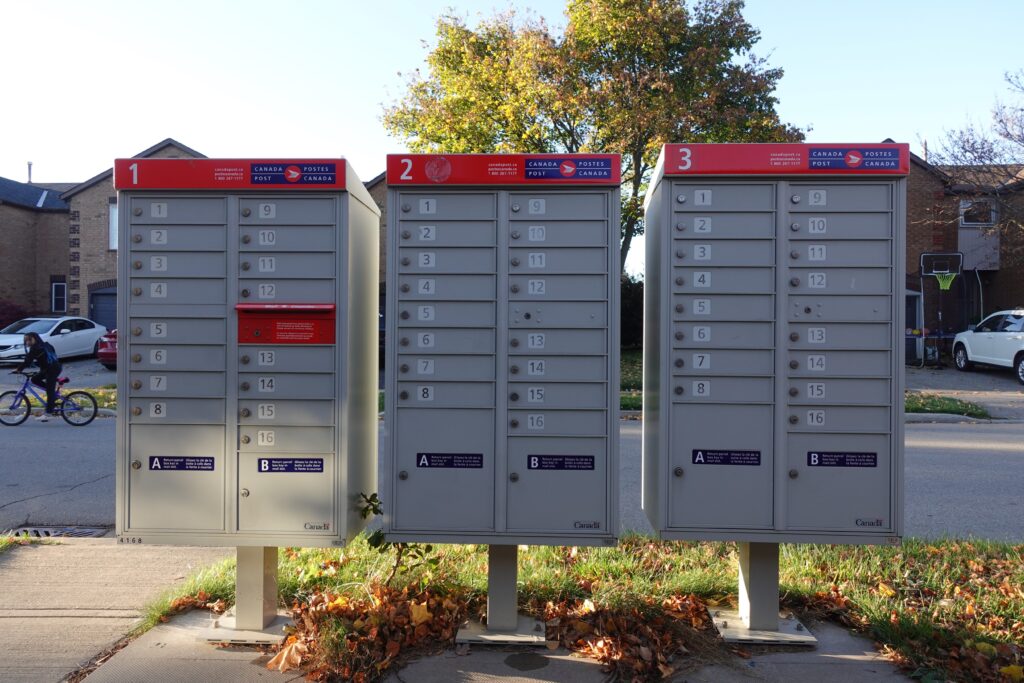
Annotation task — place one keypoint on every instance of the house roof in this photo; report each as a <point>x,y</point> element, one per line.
<point>373,182</point>
<point>109,173</point>
<point>33,197</point>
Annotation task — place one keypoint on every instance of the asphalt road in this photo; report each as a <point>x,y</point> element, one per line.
<point>961,479</point>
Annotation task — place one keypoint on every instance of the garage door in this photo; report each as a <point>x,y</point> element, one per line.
<point>103,307</point>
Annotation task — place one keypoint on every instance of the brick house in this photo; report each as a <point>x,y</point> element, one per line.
<point>58,243</point>
<point>944,217</point>
<point>91,238</point>
<point>33,247</point>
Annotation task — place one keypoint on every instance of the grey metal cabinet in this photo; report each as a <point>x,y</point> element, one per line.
<point>502,329</point>
<point>773,343</point>
<point>247,373</point>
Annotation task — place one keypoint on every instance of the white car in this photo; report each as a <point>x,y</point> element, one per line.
<point>69,336</point>
<point>996,340</point>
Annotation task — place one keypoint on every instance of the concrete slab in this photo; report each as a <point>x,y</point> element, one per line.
<point>172,652</point>
<point>507,664</point>
<point>62,603</point>
<point>840,657</point>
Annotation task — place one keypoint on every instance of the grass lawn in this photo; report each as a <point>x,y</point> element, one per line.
<point>942,610</point>
<point>922,402</point>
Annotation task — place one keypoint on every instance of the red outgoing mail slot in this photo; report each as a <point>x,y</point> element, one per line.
<point>285,323</point>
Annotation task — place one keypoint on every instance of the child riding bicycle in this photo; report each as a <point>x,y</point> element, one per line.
<point>43,355</point>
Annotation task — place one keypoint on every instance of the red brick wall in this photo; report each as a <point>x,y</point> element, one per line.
<point>932,219</point>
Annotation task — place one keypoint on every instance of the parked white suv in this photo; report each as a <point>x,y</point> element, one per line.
<point>996,340</point>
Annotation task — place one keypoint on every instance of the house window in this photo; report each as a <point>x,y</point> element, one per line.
<point>112,225</point>
<point>59,297</point>
<point>977,213</point>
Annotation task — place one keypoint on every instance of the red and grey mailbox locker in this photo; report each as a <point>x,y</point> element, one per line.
<point>247,362</point>
<point>502,359</point>
<point>286,323</point>
<point>773,342</point>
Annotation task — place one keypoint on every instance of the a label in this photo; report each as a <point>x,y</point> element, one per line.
<point>503,169</point>
<point>178,463</point>
<point>879,159</point>
<point>718,457</point>
<point>472,461</point>
<point>560,462</point>
<point>786,158</point>
<point>841,459</point>
<point>224,174</point>
<point>568,168</point>
<point>293,174</point>
<point>271,465</point>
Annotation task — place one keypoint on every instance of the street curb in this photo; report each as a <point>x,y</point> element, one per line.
<point>948,418</point>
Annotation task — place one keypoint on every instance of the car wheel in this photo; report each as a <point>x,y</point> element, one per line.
<point>96,349</point>
<point>960,358</point>
<point>1018,365</point>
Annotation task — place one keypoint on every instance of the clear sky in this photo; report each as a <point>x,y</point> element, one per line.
<point>85,81</point>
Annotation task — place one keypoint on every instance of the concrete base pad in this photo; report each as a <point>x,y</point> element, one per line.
<point>789,632</point>
<point>529,631</point>
<point>223,631</point>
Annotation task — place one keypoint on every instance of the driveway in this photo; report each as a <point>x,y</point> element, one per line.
<point>996,389</point>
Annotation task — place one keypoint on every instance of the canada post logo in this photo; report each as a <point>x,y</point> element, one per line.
<point>553,168</point>
<point>884,158</point>
<point>293,174</point>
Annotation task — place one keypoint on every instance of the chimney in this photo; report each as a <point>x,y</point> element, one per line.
<point>30,173</point>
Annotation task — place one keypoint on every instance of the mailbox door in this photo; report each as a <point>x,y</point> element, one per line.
<point>557,485</point>
<point>176,465</point>
<point>445,470</point>
<point>721,475</point>
<point>292,493</point>
<point>842,483</point>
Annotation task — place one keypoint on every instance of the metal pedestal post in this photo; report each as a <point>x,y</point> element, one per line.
<point>254,618</point>
<point>758,620</point>
<point>504,623</point>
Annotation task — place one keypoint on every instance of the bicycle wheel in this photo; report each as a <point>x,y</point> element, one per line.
<point>13,409</point>
<point>79,408</point>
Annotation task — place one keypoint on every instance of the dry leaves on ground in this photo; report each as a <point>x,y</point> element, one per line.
<point>636,645</point>
<point>358,639</point>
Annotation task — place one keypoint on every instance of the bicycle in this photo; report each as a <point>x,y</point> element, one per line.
<point>78,408</point>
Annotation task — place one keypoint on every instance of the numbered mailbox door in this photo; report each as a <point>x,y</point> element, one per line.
<point>171,464</point>
<point>445,470</point>
<point>557,485</point>
<point>285,492</point>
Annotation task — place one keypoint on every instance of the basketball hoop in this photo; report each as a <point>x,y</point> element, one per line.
<point>945,280</point>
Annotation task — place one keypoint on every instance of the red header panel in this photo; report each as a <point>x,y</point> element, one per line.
<point>504,169</point>
<point>787,159</point>
<point>229,174</point>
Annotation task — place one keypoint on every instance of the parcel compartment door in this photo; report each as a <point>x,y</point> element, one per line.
<point>557,485</point>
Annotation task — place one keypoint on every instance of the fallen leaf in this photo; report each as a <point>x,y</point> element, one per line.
<point>1015,672</point>
<point>420,613</point>
<point>290,657</point>
<point>886,590</point>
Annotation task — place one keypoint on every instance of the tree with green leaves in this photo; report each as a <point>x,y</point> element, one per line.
<point>626,76</point>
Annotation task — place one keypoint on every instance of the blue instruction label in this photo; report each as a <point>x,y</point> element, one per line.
<point>181,462</point>
<point>473,461</point>
<point>272,465</point>
<point>841,459</point>
<point>560,462</point>
<point>706,456</point>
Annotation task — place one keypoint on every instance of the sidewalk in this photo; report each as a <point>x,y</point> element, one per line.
<point>62,604</point>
